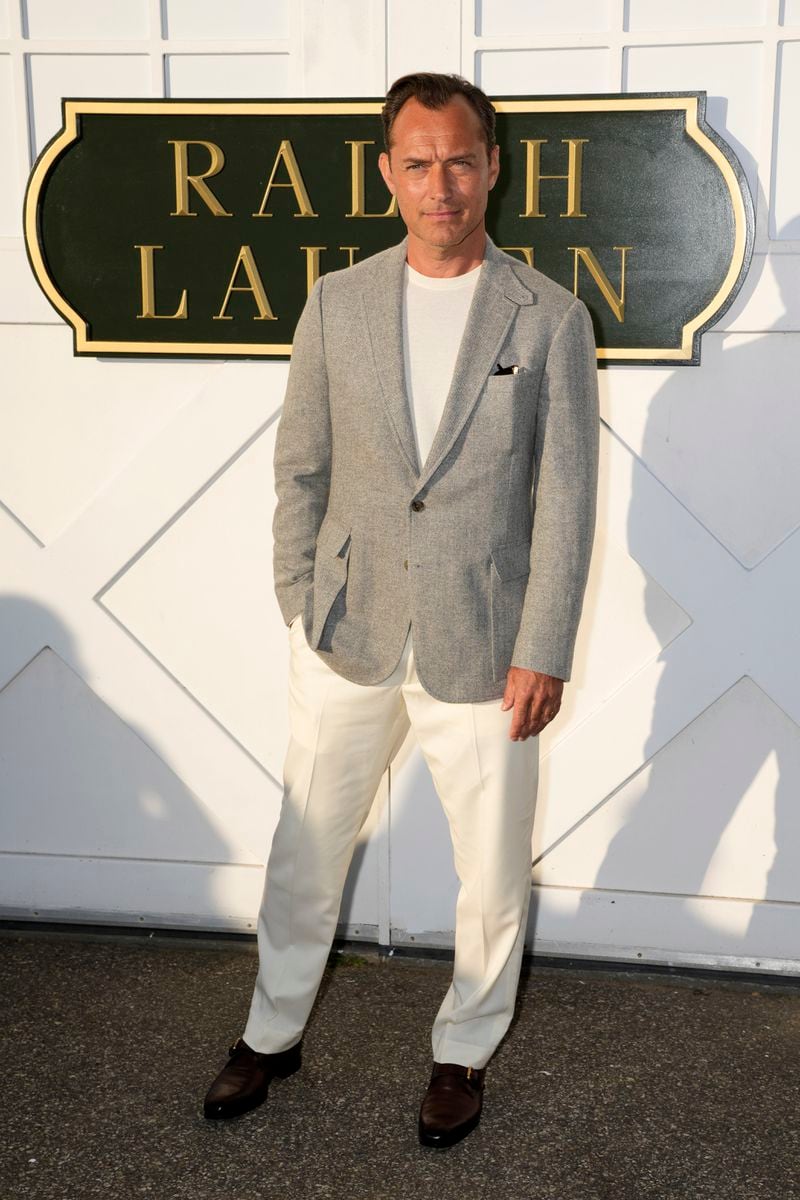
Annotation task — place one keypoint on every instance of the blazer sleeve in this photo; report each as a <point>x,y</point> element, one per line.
<point>564,501</point>
<point>302,461</point>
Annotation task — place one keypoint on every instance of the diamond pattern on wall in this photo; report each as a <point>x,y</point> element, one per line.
<point>628,619</point>
<point>724,438</point>
<point>52,466</point>
<point>693,820</point>
<point>77,780</point>
<point>201,601</point>
<point>672,768</point>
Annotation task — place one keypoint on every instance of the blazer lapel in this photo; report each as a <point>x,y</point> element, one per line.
<point>383,305</point>
<point>498,295</point>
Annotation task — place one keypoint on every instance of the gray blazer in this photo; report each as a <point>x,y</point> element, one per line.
<point>485,547</point>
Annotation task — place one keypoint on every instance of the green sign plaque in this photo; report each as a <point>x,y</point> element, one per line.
<point>174,227</point>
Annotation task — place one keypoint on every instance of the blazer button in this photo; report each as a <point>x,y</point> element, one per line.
<point>417,505</point>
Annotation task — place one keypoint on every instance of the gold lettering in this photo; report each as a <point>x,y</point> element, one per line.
<point>312,265</point>
<point>358,186</point>
<point>616,301</point>
<point>254,286</point>
<point>286,156</point>
<point>149,290</point>
<point>525,251</point>
<point>312,262</point>
<point>183,179</point>
<point>534,176</point>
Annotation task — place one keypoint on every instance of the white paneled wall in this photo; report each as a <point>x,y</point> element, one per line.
<point>688,14</point>
<point>86,19</point>
<point>142,654</point>
<point>243,19</point>
<point>574,18</point>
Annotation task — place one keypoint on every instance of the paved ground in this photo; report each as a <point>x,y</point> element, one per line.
<point>607,1087</point>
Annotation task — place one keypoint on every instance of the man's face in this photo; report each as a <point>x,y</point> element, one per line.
<point>440,171</point>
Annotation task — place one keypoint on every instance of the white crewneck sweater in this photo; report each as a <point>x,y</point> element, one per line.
<point>434,315</point>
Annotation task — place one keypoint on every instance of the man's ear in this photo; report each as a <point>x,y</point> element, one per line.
<point>385,170</point>
<point>494,166</point>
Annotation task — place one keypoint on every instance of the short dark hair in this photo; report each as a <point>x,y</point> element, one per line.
<point>436,91</point>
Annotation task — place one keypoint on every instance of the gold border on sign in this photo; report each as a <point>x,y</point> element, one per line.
<point>69,134</point>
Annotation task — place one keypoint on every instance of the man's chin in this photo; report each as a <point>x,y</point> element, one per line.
<point>444,235</point>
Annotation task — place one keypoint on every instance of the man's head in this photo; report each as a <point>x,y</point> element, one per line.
<point>435,91</point>
<point>441,158</point>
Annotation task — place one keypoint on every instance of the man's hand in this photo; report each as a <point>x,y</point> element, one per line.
<point>536,698</point>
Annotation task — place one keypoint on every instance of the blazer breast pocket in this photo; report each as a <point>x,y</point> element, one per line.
<point>502,403</point>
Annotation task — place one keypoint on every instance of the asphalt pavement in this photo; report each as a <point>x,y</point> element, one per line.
<point>610,1085</point>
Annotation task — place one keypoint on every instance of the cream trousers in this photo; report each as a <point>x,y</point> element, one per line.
<point>343,736</point>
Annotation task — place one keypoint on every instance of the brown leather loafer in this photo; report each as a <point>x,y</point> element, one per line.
<point>452,1104</point>
<point>244,1082</point>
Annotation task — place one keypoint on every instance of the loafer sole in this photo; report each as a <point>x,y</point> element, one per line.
<point>223,1110</point>
<point>449,1137</point>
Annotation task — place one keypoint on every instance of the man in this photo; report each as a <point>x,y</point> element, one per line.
<point>436,476</point>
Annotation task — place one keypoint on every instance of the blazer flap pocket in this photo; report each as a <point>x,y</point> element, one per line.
<point>512,560</point>
<point>333,536</point>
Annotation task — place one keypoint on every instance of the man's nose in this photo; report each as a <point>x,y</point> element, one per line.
<point>439,181</point>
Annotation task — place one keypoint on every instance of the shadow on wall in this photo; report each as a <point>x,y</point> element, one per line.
<point>694,821</point>
<point>90,808</point>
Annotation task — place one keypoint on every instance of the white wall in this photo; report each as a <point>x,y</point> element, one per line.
<point>142,655</point>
